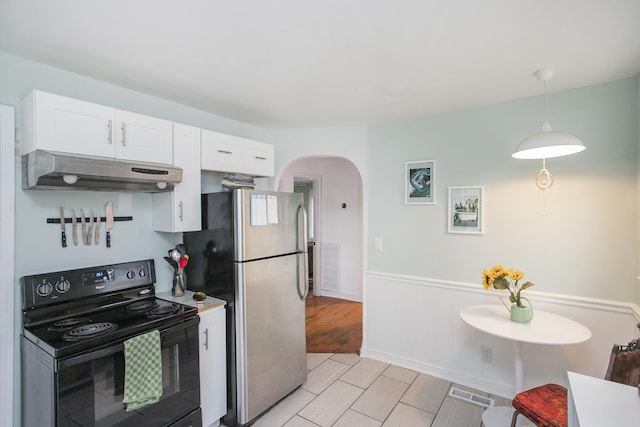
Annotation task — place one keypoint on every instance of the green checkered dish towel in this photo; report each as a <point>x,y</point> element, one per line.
<point>143,370</point>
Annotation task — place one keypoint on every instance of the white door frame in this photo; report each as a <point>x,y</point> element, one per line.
<point>7,280</point>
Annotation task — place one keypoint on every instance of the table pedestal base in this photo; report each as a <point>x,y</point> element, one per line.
<point>500,416</point>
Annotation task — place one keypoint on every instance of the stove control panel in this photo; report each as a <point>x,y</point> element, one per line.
<point>49,288</point>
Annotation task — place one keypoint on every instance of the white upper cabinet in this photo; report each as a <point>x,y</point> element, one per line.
<point>179,210</point>
<point>220,152</point>
<point>232,154</point>
<point>144,138</point>
<point>257,158</point>
<point>57,123</point>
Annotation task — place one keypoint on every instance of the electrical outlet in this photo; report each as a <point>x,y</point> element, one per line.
<point>486,354</point>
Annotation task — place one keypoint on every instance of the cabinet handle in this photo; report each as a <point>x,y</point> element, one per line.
<point>109,138</point>
<point>206,339</point>
<point>261,158</point>
<point>180,210</point>
<point>224,152</point>
<point>124,135</point>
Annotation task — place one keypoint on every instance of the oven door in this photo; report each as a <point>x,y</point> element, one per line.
<point>90,387</point>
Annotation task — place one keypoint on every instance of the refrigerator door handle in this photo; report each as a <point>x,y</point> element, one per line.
<point>302,247</point>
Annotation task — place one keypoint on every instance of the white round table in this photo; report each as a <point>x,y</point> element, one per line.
<point>544,328</point>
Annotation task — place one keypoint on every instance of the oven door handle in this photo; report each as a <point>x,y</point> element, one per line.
<point>117,348</point>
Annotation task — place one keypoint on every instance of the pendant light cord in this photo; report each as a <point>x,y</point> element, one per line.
<point>545,102</point>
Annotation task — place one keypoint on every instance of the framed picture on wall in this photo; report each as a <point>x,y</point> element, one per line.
<point>419,182</point>
<point>466,214</point>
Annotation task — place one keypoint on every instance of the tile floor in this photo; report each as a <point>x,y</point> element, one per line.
<point>346,390</point>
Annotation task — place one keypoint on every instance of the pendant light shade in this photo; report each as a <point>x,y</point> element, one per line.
<point>547,144</point>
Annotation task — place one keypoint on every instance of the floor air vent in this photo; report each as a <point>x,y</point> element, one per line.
<point>467,396</point>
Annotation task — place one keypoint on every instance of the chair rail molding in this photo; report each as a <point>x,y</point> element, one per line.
<point>414,322</point>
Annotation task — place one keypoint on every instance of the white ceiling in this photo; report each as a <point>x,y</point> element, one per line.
<point>306,63</point>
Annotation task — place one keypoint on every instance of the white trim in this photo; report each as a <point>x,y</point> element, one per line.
<point>414,322</point>
<point>7,280</point>
<point>565,300</point>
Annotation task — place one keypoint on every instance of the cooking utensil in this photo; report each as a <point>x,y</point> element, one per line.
<point>109,220</point>
<point>74,228</point>
<point>175,255</point>
<point>83,220</point>
<point>181,248</point>
<point>183,261</point>
<point>63,226</point>
<point>98,219</point>
<point>171,262</point>
<point>90,229</point>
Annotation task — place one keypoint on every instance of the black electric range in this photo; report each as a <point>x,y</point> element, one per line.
<point>68,312</point>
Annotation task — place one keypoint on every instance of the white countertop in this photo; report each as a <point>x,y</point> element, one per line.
<point>596,402</point>
<point>187,299</point>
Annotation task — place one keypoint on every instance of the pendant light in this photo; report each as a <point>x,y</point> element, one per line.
<point>547,143</point>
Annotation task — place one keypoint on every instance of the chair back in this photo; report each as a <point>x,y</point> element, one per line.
<point>624,364</point>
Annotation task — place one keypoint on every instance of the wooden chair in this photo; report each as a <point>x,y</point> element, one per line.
<point>546,405</point>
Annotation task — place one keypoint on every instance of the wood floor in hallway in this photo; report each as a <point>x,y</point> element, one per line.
<point>333,325</point>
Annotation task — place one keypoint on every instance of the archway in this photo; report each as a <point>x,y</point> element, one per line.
<point>334,195</point>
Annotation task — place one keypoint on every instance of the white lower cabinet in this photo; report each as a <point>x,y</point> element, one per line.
<point>213,366</point>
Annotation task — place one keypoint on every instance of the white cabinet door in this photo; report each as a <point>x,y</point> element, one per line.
<point>57,123</point>
<point>223,153</point>
<point>213,369</point>
<point>220,152</point>
<point>179,210</point>
<point>257,158</point>
<point>143,138</point>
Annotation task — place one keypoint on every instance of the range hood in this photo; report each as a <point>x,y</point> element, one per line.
<point>61,171</point>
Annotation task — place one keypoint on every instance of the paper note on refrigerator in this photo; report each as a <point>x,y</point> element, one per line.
<point>272,209</point>
<point>258,209</point>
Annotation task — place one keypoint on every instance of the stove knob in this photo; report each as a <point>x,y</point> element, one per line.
<point>44,289</point>
<point>130,274</point>
<point>142,272</point>
<point>63,286</point>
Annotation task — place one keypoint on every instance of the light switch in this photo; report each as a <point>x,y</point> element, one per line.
<point>377,243</point>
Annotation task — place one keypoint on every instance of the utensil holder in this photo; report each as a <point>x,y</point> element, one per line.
<point>179,283</point>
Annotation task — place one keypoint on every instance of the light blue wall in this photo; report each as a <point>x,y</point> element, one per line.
<point>584,245</point>
<point>37,243</point>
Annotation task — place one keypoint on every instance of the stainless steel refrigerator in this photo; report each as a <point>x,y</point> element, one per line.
<point>251,252</point>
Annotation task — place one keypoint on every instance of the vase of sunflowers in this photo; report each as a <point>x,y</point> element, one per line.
<point>498,277</point>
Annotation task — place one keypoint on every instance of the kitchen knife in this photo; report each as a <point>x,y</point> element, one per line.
<point>74,228</point>
<point>109,220</point>
<point>63,226</point>
<point>83,220</point>
<point>90,229</point>
<point>98,219</point>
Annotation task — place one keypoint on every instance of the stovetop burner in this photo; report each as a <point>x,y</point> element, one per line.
<point>70,323</point>
<point>163,311</point>
<point>140,306</point>
<point>89,331</point>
